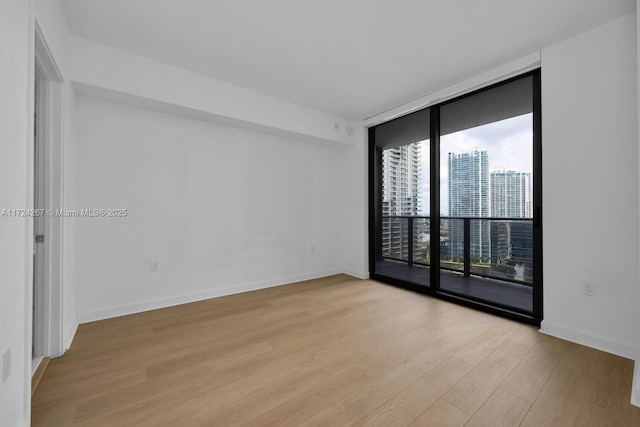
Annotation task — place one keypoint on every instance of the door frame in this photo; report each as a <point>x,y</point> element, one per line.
<point>49,330</point>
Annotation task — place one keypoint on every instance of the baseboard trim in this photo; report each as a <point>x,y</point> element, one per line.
<point>584,338</point>
<point>635,385</point>
<point>38,374</point>
<point>125,309</point>
<point>356,273</point>
<point>69,336</point>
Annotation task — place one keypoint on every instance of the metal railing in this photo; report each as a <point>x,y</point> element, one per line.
<point>499,248</point>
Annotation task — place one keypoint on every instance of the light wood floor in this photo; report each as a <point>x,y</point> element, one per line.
<point>334,351</point>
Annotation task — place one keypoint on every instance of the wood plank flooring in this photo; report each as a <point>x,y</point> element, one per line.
<point>332,351</point>
<point>37,375</point>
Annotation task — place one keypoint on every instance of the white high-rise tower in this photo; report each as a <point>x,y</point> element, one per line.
<point>511,194</point>
<point>469,197</point>
<point>400,196</point>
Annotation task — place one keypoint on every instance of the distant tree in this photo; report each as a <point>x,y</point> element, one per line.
<point>503,268</point>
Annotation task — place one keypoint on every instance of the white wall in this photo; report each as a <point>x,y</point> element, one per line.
<point>132,78</point>
<point>354,224</point>
<point>220,209</point>
<point>590,185</point>
<point>277,247</point>
<point>14,275</point>
<point>53,24</point>
<point>69,247</point>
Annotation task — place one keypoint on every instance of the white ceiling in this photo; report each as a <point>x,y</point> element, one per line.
<point>351,58</point>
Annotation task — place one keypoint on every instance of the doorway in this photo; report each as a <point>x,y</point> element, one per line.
<point>47,177</point>
<point>40,180</point>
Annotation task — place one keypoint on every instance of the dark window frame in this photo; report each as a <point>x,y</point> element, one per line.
<point>375,211</point>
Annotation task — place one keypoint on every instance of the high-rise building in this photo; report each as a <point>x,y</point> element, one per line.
<point>510,198</point>
<point>469,197</point>
<point>400,197</point>
<point>511,194</point>
<point>522,248</point>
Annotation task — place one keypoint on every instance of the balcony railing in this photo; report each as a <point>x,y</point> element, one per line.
<point>498,248</point>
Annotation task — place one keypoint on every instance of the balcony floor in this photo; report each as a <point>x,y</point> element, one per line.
<point>491,290</point>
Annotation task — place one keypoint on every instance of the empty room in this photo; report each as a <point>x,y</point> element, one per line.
<point>288,213</point>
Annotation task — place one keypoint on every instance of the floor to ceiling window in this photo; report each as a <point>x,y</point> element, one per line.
<point>456,199</point>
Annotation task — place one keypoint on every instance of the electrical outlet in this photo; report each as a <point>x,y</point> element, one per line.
<point>6,365</point>
<point>153,266</point>
<point>590,288</point>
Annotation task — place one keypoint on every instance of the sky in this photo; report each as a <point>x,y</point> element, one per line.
<point>509,144</point>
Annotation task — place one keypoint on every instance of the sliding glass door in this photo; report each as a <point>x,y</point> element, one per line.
<point>401,156</point>
<point>455,199</point>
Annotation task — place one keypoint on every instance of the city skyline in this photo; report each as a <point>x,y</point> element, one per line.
<point>476,182</point>
<point>509,143</point>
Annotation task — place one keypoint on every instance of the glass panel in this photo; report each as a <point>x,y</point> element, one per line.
<point>451,244</point>
<point>403,197</point>
<point>422,241</point>
<point>395,238</point>
<point>486,199</point>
